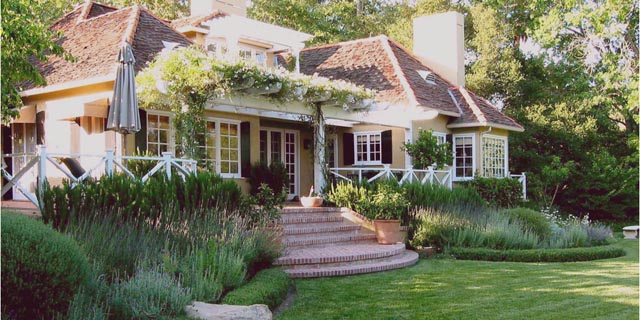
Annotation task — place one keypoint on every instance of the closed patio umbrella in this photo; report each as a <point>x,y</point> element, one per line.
<point>123,113</point>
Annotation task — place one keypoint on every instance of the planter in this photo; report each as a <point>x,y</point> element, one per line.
<point>388,231</point>
<point>311,202</point>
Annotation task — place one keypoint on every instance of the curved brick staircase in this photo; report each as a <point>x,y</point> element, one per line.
<point>319,242</point>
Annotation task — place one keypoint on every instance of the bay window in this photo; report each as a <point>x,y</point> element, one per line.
<point>494,156</point>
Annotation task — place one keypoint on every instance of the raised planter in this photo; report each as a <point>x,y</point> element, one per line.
<point>388,231</point>
<point>311,202</point>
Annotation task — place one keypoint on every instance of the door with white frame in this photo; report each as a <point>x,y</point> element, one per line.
<point>282,145</point>
<point>24,144</point>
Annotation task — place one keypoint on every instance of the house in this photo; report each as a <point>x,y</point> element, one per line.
<point>420,90</point>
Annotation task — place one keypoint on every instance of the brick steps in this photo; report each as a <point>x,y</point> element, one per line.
<point>315,240</point>
<point>402,260</point>
<point>320,243</point>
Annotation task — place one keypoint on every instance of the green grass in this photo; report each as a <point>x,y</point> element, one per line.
<point>450,289</point>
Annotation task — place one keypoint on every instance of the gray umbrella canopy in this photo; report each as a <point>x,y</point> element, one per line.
<point>124,116</point>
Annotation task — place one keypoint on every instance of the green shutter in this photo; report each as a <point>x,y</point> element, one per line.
<point>245,149</point>
<point>141,136</point>
<point>387,148</point>
<point>347,148</point>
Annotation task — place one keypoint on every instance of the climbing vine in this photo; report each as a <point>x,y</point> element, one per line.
<point>184,80</point>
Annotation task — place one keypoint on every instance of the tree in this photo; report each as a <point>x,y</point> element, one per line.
<point>25,38</point>
<point>426,151</point>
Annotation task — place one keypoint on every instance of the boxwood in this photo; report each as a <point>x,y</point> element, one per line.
<point>41,269</point>
<point>538,255</point>
<point>269,286</point>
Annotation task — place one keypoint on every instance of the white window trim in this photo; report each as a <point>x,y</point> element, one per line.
<point>334,138</point>
<point>254,51</point>
<point>355,148</point>
<point>440,134</point>
<point>473,156</point>
<point>217,121</point>
<point>171,146</point>
<point>506,151</point>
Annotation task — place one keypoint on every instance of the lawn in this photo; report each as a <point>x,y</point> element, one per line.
<point>450,289</point>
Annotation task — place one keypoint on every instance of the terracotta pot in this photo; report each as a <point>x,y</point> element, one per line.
<point>311,202</point>
<point>388,231</point>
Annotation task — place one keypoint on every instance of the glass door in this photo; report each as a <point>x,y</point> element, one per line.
<point>24,143</point>
<point>280,145</point>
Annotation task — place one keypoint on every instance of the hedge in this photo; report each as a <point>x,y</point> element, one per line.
<point>538,255</point>
<point>41,269</point>
<point>269,286</point>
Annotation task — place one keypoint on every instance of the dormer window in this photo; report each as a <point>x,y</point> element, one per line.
<point>427,76</point>
<point>216,47</point>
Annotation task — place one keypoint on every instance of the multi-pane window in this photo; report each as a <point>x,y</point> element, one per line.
<point>441,137</point>
<point>158,133</point>
<point>257,55</point>
<point>494,156</point>
<point>464,150</point>
<point>368,148</point>
<point>222,147</point>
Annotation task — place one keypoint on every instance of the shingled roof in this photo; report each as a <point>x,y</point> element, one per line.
<point>398,77</point>
<point>93,34</point>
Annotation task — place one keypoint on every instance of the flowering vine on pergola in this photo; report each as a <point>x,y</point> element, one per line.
<point>185,79</point>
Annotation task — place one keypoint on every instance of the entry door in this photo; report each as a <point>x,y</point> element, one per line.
<point>24,143</point>
<point>282,145</point>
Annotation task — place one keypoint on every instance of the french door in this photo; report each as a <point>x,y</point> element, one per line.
<point>281,145</point>
<point>24,143</point>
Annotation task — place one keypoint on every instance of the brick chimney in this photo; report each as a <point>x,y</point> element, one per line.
<point>439,41</point>
<point>204,7</point>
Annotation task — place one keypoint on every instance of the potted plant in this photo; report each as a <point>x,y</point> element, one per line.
<point>313,200</point>
<point>387,206</point>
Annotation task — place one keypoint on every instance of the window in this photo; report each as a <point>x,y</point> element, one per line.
<point>222,147</point>
<point>440,136</point>
<point>257,55</point>
<point>494,156</point>
<point>158,133</point>
<point>368,148</point>
<point>464,154</point>
<point>216,47</point>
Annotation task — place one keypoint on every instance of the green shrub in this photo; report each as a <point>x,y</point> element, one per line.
<point>502,233</point>
<point>41,269</point>
<point>268,287</point>
<point>275,175</point>
<point>532,220</point>
<point>436,227</point>
<point>425,151</point>
<point>439,197</point>
<point>538,255</point>
<point>211,270</point>
<point>148,295</point>
<point>572,235</point>
<point>126,200</point>
<point>500,193</point>
<point>379,200</point>
<point>139,168</point>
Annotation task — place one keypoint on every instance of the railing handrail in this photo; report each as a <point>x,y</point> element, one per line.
<point>108,159</point>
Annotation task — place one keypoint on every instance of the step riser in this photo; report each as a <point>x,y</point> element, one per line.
<point>328,244</point>
<point>352,270</point>
<point>307,220</point>
<point>333,229</point>
<point>299,264</point>
<point>320,210</point>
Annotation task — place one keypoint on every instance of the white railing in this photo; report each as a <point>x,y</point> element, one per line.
<point>429,175</point>
<point>108,163</point>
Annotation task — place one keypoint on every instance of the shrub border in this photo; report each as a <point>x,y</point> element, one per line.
<point>538,255</point>
<point>269,286</point>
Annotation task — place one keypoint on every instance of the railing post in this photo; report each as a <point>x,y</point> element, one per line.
<point>430,174</point>
<point>524,186</point>
<point>450,180</point>
<point>194,166</point>
<point>42,168</point>
<point>359,175</point>
<point>167,163</point>
<point>108,157</point>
